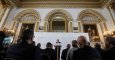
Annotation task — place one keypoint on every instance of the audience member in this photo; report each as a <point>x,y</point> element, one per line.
<point>110,53</point>
<point>88,43</point>
<point>64,52</point>
<point>23,50</point>
<point>85,52</point>
<point>70,52</point>
<point>2,36</point>
<point>98,48</point>
<point>49,53</point>
<point>38,52</point>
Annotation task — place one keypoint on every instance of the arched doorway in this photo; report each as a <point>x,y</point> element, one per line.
<point>92,22</point>
<point>26,19</point>
<point>58,21</point>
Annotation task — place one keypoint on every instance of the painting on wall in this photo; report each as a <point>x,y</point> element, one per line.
<point>41,28</point>
<point>75,28</point>
<point>91,29</point>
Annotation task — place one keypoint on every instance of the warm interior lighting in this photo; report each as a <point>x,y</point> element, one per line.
<point>107,33</point>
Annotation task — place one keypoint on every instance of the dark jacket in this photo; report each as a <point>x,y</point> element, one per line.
<point>21,51</point>
<point>38,53</point>
<point>109,55</point>
<point>86,53</point>
<point>64,54</point>
<point>49,54</point>
<point>99,50</point>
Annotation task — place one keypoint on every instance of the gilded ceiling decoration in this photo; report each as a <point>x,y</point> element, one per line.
<point>62,3</point>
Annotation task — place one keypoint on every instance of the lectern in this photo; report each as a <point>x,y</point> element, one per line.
<point>58,48</point>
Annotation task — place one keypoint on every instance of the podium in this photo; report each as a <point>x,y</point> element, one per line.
<point>57,49</point>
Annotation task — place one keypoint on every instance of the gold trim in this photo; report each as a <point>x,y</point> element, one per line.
<point>31,11</point>
<point>67,16</point>
<point>13,25</point>
<point>6,17</point>
<point>79,26</point>
<point>71,28</point>
<point>37,26</point>
<point>45,25</point>
<point>91,12</point>
<point>63,4</point>
<point>2,13</point>
<point>66,27</point>
<point>101,27</point>
<point>105,26</point>
<point>58,10</point>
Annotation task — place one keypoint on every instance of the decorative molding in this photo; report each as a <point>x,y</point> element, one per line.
<point>28,12</point>
<point>9,9</point>
<point>58,12</point>
<point>28,16</point>
<point>58,3</point>
<point>63,3</point>
<point>91,13</point>
<point>37,23</point>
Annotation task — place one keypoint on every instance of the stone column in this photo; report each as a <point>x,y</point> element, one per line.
<point>4,18</point>
<point>101,27</point>
<point>70,26</point>
<point>45,26</point>
<point>36,26</point>
<point>106,29</point>
<point>79,26</point>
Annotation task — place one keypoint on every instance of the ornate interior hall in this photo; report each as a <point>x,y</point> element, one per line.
<point>94,17</point>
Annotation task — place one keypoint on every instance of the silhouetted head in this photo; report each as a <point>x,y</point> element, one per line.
<point>39,45</point>
<point>110,41</point>
<point>68,46</point>
<point>97,45</point>
<point>88,43</point>
<point>28,35</point>
<point>81,41</point>
<point>74,43</point>
<point>2,36</point>
<point>49,45</point>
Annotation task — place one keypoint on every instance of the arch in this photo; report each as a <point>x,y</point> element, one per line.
<point>31,12</point>
<point>91,13</point>
<point>62,15</point>
<point>88,22</point>
<point>60,11</point>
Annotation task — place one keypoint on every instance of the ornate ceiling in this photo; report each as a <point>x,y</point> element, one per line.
<point>62,3</point>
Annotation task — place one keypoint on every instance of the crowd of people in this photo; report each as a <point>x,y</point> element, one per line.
<point>81,49</point>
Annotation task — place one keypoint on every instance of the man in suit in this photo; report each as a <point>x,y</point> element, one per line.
<point>25,49</point>
<point>85,52</point>
<point>110,53</point>
<point>70,51</point>
<point>64,52</point>
<point>38,52</point>
<point>49,53</point>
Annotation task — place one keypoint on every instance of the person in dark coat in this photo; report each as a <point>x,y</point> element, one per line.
<point>70,51</point>
<point>98,48</point>
<point>38,52</point>
<point>49,53</point>
<point>85,52</point>
<point>2,36</point>
<point>23,50</point>
<point>64,52</point>
<point>110,53</point>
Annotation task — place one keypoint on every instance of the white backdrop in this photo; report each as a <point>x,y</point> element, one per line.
<point>64,38</point>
